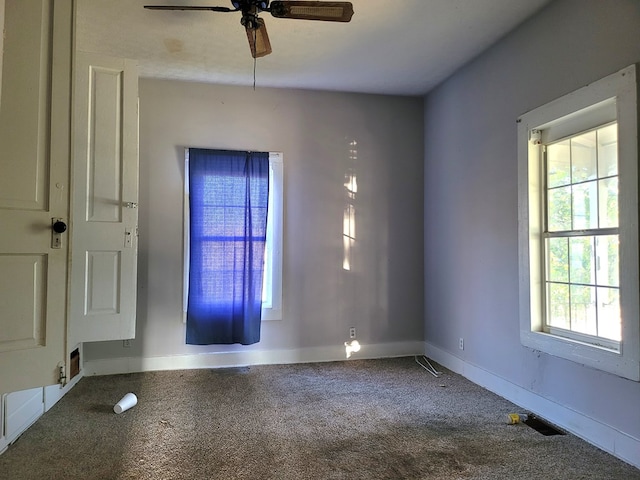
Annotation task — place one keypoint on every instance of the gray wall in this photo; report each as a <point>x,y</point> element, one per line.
<point>471,198</point>
<point>382,294</point>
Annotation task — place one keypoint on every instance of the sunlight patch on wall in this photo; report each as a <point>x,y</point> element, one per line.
<point>349,217</point>
<point>351,347</point>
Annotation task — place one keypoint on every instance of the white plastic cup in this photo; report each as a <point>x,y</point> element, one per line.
<point>128,401</point>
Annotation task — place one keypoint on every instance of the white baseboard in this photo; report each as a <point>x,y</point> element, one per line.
<point>21,410</point>
<point>53,393</point>
<point>113,366</point>
<point>603,436</point>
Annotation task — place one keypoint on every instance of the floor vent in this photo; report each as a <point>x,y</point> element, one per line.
<point>543,427</point>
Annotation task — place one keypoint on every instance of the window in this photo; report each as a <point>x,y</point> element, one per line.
<point>578,213</point>
<point>272,279</point>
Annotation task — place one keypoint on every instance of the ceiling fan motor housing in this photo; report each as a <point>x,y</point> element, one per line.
<point>247,4</point>
<point>250,20</point>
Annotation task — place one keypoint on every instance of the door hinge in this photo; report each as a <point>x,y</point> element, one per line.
<point>62,376</point>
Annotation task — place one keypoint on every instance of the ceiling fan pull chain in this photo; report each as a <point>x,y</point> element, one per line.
<point>255,60</point>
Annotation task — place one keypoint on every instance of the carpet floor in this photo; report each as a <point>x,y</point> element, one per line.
<point>363,419</point>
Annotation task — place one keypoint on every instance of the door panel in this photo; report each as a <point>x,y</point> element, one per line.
<point>104,248</point>
<point>22,299</point>
<point>104,159</point>
<point>34,178</point>
<point>103,283</point>
<point>25,104</point>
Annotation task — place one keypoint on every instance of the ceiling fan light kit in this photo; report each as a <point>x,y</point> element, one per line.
<point>255,27</point>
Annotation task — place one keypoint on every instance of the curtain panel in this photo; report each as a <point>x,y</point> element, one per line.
<point>228,200</point>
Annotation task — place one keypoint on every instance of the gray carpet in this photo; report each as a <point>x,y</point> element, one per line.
<point>364,419</point>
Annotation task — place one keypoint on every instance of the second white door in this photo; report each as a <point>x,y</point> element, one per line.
<point>104,204</point>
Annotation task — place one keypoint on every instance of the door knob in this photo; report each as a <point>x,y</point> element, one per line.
<point>59,226</point>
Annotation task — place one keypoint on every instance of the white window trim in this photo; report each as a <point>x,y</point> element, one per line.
<point>273,309</point>
<point>615,95</point>
<point>186,242</point>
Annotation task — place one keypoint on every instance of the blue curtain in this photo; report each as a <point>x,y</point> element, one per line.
<point>229,193</point>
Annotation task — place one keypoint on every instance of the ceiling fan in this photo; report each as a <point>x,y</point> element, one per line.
<point>255,27</point>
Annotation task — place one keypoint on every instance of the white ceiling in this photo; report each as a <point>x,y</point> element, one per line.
<point>399,47</point>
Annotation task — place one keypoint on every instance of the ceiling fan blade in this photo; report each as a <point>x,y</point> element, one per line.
<point>259,40</point>
<point>326,11</point>
<point>176,7</point>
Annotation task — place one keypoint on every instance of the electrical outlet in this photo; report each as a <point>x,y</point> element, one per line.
<point>352,332</point>
<point>126,343</point>
<point>461,343</point>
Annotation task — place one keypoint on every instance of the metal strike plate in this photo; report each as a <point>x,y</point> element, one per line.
<point>127,238</point>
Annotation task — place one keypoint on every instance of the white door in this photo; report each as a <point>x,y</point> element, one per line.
<point>34,191</point>
<point>104,201</point>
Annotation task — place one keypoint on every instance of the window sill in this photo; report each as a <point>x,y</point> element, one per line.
<point>271,314</point>
<point>586,354</point>
<point>587,340</point>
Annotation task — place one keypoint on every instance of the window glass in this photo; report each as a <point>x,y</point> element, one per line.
<point>558,164</point>
<point>558,259</point>
<point>558,305</point>
<point>584,212</point>
<point>607,260</point>
<point>608,151</point>
<point>583,309</point>
<point>580,260</point>
<point>559,209</point>
<point>608,202</point>
<point>583,157</point>
<point>609,313</point>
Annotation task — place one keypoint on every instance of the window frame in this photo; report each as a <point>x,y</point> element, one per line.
<point>613,98</point>
<point>272,308</point>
